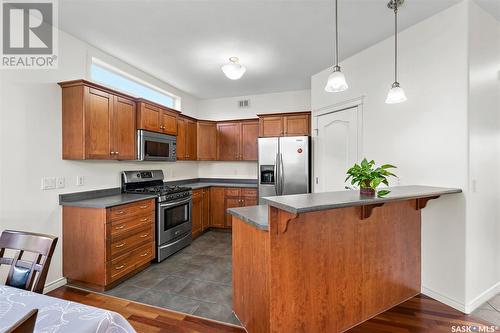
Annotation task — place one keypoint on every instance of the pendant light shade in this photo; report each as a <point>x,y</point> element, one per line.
<point>233,70</point>
<point>336,80</point>
<point>396,93</point>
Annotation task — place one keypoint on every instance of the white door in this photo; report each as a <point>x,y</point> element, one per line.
<point>336,148</point>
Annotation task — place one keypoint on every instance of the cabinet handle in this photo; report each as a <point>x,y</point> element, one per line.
<point>145,254</point>
<point>120,267</point>
<point>144,207</point>
<point>120,245</point>
<point>144,219</point>
<point>120,212</point>
<point>120,227</point>
<point>117,153</point>
<point>143,236</point>
<point>112,153</point>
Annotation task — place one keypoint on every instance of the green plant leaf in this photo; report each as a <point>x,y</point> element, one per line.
<point>382,193</point>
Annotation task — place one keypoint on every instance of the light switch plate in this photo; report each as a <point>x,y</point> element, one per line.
<point>60,182</point>
<point>48,183</point>
<point>79,180</point>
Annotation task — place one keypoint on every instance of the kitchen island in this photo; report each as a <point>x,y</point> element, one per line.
<point>325,262</point>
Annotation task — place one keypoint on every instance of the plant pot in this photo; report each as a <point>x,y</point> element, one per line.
<point>367,192</point>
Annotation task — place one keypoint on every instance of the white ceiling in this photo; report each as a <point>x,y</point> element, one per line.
<point>491,6</point>
<point>282,42</point>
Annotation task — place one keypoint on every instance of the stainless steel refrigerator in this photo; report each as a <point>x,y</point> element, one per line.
<point>284,166</point>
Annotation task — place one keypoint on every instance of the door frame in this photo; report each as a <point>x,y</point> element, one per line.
<point>333,108</point>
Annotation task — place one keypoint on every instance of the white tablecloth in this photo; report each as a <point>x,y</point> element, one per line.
<point>56,315</point>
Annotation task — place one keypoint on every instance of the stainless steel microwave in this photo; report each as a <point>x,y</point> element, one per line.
<point>152,146</point>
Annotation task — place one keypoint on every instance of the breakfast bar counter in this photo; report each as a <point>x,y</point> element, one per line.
<point>325,262</point>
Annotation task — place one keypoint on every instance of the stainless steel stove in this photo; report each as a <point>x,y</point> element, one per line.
<point>173,209</point>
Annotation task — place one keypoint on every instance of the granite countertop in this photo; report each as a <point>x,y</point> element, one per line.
<point>258,216</point>
<point>114,197</point>
<point>107,201</point>
<point>301,203</point>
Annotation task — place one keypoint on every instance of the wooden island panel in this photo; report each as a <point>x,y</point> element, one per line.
<point>325,271</point>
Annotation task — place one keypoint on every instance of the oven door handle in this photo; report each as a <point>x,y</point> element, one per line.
<point>173,204</point>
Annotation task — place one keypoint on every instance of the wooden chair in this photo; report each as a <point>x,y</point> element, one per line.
<point>26,324</point>
<point>28,275</point>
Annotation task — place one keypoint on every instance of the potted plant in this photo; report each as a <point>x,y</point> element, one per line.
<point>368,177</point>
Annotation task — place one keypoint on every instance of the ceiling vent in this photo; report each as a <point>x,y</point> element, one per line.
<point>245,103</point>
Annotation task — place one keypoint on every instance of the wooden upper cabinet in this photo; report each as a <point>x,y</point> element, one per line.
<point>228,141</point>
<point>186,138</point>
<point>124,128</point>
<point>181,138</point>
<point>156,118</point>
<point>207,140</point>
<point>286,124</point>
<point>249,135</point>
<point>271,126</point>
<point>97,123</point>
<point>149,117</point>
<point>296,125</point>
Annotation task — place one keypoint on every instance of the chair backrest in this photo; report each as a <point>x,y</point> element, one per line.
<point>24,274</point>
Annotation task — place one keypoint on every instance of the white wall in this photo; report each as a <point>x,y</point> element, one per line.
<point>426,137</point>
<point>227,109</point>
<point>483,211</point>
<point>30,144</point>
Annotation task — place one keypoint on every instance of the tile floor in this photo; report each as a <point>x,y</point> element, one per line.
<point>196,280</point>
<point>490,311</point>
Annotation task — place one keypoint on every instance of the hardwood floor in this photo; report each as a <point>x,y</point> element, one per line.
<point>145,318</point>
<point>420,314</point>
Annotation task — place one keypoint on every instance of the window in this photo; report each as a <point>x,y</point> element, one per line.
<point>113,79</point>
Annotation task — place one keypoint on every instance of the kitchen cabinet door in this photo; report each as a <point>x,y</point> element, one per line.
<point>249,135</point>
<point>228,141</point>
<point>217,213</point>
<point>191,141</point>
<point>123,129</point>
<point>197,213</point>
<point>271,126</point>
<point>297,125</point>
<point>98,124</point>
<point>149,117</point>
<point>205,223</point>
<point>230,202</point>
<point>168,122</point>
<point>181,139</point>
<point>207,141</point>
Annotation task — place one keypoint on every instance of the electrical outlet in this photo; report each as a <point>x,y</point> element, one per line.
<point>48,183</point>
<point>79,180</point>
<point>61,182</point>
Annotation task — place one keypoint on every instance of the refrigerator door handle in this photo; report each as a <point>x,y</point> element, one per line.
<point>277,177</point>
<point>282,175</point>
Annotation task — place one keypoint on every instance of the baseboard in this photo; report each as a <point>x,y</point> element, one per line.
<point>483,297</point>
<point>54,285</point>
<point>460,306</point>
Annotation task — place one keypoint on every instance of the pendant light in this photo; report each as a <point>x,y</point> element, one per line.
<point>396,93</point>
<point>336,81</point>
<point>234,70</point>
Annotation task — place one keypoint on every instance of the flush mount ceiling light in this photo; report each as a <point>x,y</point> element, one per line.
<point>396,93</point>
<point>233,69</point>
<point>336,81</point>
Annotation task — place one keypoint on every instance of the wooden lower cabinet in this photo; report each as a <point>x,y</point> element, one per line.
<point>104,246</point>
<point>223,198</point>
<point>201,211</point>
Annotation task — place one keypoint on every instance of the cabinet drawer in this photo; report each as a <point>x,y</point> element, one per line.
<point>129,261</point>
<point>232,192</point>
<point>248,192</point>
<point>127,244</point>
<point>124,211</point>
<point>127,226</point>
